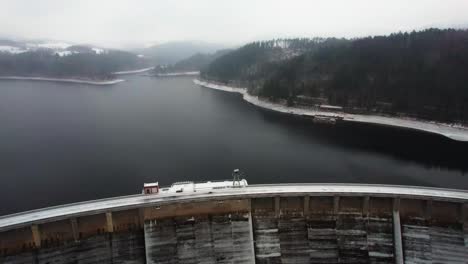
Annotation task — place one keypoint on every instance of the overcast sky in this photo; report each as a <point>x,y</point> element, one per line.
<point>125,23</point>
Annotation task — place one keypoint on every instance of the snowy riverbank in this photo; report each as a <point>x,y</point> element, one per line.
<point>451,131</point>
<point>133,71</point>
<point>176,74</point>
<point>66,80</point>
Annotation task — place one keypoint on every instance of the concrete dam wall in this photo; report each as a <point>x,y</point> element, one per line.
<point>248,226</point>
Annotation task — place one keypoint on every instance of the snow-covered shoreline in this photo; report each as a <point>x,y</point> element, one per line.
<point>66,80</point>
<point>175,74</point>
<point>451,131</point>
<point>133,71</point>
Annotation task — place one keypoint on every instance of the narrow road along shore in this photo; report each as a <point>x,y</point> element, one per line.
<point>448,130</point>
<point>133,71</point>
<point>176,74</point>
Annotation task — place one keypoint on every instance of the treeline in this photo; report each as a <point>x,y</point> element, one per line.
<point>256,61</point>
<point>82,65</point>
<point>422,74</point>
<point>195,62</point>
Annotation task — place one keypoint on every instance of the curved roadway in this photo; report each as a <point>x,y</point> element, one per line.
<point>55,213</point>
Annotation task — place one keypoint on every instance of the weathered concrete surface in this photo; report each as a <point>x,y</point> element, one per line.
<point>266,236</point>
<point>128,247</point>
<point>22,258</point>
<point>196,208</point>
<point>160,241</point>
<point>425,242</point>
<point>83,240</point>
<point>124,248</point>
<point>331,232</point>
<point>214,239</point>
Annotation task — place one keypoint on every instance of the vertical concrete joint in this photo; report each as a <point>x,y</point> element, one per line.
<point>336,204</point>
<point>277,206</point>
<point>365,206</point>
<point>306,205</point>
<point>398,244</point>
<point>463,213</point>
<point>110,224</point>
<point>74,227</point>
<point>141,217</point>
<point>396,204</point>
<point>251,235</point>
<point>465,223</point>
<point>36,235</point>
<point>428,212</point>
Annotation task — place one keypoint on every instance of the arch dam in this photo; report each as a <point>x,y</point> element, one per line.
<point>281,223</point>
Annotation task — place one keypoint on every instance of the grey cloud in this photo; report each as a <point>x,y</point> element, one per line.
<point>120,23</point>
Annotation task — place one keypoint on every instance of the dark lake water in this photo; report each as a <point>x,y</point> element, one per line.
<point>61,143</point>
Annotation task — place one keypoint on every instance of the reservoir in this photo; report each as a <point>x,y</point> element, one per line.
<point>62,143</point>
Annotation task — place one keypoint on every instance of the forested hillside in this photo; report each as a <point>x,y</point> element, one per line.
<point>172,52</point>
<point>257,60</point>
<point>196,62</point>
<point>85,64</point>
<point>423,74</point>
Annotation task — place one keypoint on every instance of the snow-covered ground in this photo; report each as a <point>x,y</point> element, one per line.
<point>64,53</point>
<point>452,131</point>
<point>61,80</point>
<point>11,49</point>
<point>133,71</point>
<point>50,45</point>
<point>173,74</point>
<point>98,50</point>
<point>58,48</point>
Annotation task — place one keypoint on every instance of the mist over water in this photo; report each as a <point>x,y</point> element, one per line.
<point>62,143</point>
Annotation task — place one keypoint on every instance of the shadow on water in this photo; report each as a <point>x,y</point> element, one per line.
<point>428,149</point>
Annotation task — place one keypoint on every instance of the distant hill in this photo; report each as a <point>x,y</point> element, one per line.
<point>172,52</point>
<point>8,42</point>
<point>198,61</point>
<point>62,60</point>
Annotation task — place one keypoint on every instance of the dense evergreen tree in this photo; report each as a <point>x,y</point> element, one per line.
<point>257,60</point>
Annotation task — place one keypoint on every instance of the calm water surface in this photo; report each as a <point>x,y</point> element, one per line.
<point>61,143</point>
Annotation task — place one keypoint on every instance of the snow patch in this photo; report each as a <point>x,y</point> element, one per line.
<point>51,45</point>
<point>133,71</point>
<point>98,50</point>
<point>11,49</point>
<point>172,74</point>
<point>65,53</point>
<point>61,80</point>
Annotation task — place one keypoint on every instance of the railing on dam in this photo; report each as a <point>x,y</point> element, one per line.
<point>272,223</point>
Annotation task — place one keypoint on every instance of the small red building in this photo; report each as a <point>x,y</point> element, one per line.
<point>151,188</point>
